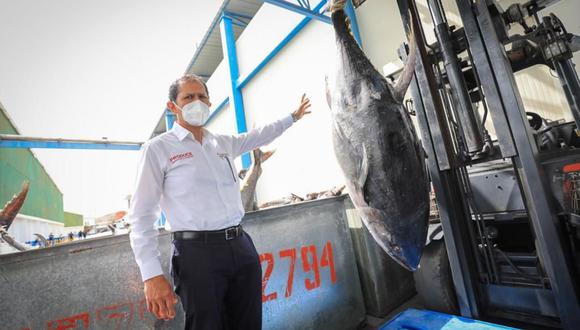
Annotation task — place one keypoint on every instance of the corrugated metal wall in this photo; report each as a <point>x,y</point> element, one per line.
<point>17,165</point>
<point>542,93</point>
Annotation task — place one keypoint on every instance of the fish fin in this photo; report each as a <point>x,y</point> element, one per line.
<point>363,169</point>
<point>328,98</point>
<point>11,209</point>
<point>401,85</point>
<point>349,26</point>
<point>337,5</point>
<point>266,155</point>
<point>356,188</point>
<point>357,176</point>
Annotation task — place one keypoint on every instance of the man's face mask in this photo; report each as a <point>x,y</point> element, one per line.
<point>195,113</point>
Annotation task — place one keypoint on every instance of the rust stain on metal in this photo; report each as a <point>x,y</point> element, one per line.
<point>80,250</point>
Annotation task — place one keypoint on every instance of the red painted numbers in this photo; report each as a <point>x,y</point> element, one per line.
<point>269,258</point>
<point>117,316</point>
<point>292,255</point>
<point>71,322</point>
<point>310,265</point>
<point>120,316</point>
<point>327,260</point>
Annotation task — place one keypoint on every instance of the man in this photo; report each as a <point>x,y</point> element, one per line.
<point>189,173</point>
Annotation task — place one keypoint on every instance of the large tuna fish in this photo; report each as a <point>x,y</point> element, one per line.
<point>377,148</point>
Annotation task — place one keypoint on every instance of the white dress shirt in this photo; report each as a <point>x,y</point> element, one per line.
<point>196,185</point>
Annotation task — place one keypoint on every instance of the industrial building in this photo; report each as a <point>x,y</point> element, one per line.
<point>42,212</point>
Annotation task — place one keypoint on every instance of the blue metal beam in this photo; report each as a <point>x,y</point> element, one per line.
<point>161,221</point>
<point>237,19</point>
<point>304,4</point>
<point>217,110</point>
<point>244,80</point>
<point>238,83</point>
<point>238,15</point>
<point>230,55</point>
<point>237,23</point>
<point>349,10</point>
<point>300,10</point>
<point>17,144</point>
<point>169,119</point>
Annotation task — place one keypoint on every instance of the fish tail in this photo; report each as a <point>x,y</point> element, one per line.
<point>340,19</point>
<point>404,80</point>
<point>11,208</point>
<point>336,5</point>
<point>343,19</point>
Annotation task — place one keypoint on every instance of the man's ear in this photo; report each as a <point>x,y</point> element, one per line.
<point>171,106</point>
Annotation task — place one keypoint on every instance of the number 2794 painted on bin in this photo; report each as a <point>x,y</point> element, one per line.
<point>310,264</point>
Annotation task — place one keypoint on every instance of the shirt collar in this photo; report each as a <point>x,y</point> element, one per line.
<point>181,133</point>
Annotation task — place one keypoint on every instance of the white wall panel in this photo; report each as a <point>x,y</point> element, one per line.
<point>270,25</point>
<point>304,161</point>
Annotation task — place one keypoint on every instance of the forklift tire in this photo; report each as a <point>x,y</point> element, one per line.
<point>433,279</point>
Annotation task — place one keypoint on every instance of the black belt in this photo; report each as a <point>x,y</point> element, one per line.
<point>210,235</point>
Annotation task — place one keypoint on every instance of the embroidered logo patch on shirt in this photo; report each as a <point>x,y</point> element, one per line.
<point>175,158</point>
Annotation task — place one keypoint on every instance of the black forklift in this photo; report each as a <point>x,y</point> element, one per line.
<point>509,204</point>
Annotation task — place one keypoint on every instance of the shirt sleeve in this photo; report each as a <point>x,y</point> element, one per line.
<point>143,213</point>
<point>258,137</point>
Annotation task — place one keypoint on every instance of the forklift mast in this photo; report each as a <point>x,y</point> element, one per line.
<point>509,205</point>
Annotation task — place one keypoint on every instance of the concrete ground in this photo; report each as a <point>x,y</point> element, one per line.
<point>375,322</point>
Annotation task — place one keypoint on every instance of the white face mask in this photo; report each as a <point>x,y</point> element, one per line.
<point>195,113</point>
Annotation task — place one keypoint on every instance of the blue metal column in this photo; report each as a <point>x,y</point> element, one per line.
<point>349,10</point>
<point>242,81</point>
<point>217,110</point>
<point>169,119</point>
<point>229,41</point>
<point>19,142</point>
<point>161,221</point>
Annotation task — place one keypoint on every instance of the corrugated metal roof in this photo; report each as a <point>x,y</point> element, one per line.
<point>209,53</point>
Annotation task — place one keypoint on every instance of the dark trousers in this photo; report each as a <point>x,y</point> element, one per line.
<point>219,283</point>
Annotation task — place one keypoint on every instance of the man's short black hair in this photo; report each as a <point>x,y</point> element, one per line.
<point>174,88</point>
